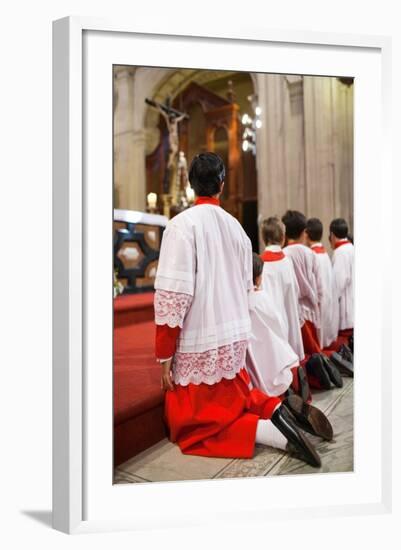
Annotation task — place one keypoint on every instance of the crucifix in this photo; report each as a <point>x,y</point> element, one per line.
<point>172,118</point>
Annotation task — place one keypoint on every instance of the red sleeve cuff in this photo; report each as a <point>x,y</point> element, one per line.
<point>166,340</point>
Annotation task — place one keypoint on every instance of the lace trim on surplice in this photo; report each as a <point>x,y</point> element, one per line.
<point>171,307</point>
<point>209,367</point>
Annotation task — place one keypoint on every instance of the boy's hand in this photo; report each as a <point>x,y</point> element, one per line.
<point>166,381</point>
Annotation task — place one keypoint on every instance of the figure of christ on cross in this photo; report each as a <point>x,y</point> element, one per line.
<point>172,118</point>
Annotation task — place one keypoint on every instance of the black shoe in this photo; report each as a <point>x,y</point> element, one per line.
<point>345,366</point>
<point>309,418</point>
<point>346,353</point>
<point>296,439</point>
<point>304,390</point>
<point>333,372</point>
<point>289,392</point>
<point>315,368</point>
<point>351,343</point>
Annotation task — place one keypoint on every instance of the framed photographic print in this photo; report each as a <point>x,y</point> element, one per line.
<point>209,194</point>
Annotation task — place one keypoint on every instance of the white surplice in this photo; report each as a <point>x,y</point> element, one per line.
<point>280,283</point>
<point>269,357</point>
<point>343,268</point>
<point>307,272</point>
<point>329,306</point>
<point>206,254</point>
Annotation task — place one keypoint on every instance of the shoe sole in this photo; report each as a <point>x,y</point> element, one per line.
<point>346,354</point>
<point>309,418</point>
<point>318,371</point>
<point>303,384</point>
<point>343,365</point>
<point>333,372</point>
<point>309,454</point>
<point>347,357</point>
<point>351,344</point>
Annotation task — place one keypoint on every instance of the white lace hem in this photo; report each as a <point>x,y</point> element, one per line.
<point>209,367</point>
<point>171,308</point>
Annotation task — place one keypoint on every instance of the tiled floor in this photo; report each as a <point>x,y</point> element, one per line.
<point>165,462</point>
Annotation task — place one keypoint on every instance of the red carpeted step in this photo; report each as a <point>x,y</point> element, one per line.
<point>136,373</point>
<point>138,398</point>
<point>133,308</point>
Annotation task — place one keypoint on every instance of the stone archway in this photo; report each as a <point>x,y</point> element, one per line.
<point>135,124</point>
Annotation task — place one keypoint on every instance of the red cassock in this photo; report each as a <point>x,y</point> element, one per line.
<point>308,275</point>
<point>217,420</point>
<point>310,338</point>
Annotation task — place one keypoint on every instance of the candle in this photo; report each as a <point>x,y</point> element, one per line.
<point>190,193</point>
<point>152,200</point>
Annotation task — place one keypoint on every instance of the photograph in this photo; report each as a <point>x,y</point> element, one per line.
<point>232,274</point>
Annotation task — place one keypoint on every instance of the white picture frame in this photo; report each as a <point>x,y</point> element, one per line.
<point>81,501</point>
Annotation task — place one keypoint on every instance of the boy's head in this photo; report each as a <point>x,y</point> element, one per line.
<point>338,230</point>
<point>313,231</point>
<point>295,223</point>
<point>206,174</point>
<point>257,269</point>
<point>273,231</point>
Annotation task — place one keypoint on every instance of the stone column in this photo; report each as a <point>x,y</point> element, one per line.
<point>129,145</point>
<point>123,108</point>
<point>320,150</point>
<point>280,145</point>
<point>293,97</point>
<point>270,143</point>
<point>345,108</point>
<point>328,110</point>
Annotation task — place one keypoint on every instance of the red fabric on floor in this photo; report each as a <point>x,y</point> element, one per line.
<point>310,339</point>
<point>217,420</point>
<point>311,345</point>
<point>343,337</point>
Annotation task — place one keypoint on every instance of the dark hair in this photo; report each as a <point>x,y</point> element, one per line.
<point>257,267</point>
<point>206,174</point>
<point>295,223</point>
<point>314,229</point>
<point>272,231</point>
<point>339,228</point>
